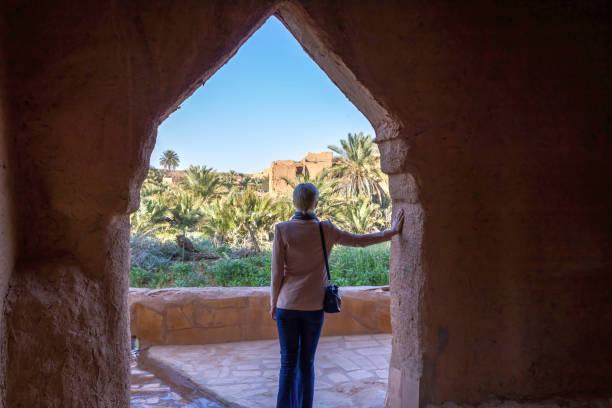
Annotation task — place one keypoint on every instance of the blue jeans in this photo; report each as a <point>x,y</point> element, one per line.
<point>298,335</point>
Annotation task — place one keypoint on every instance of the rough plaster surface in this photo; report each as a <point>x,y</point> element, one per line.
<point>71,353</point>
<point>312,163</point>
<point>7,249</point>
<point>493,121</point>
<point>504,128</point>
<point>7,219</point>
<point>493,402</point>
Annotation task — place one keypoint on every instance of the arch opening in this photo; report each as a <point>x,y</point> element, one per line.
<point>403,188</point>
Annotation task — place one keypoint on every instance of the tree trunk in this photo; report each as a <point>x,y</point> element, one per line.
<point>218,239</point>
<point>255,244</point>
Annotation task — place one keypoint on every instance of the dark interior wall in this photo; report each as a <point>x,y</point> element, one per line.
<point>516,184</point>
<point>7,220</point>
<point>89,82</point>
<point>504,113</point>
<point>505,110</point>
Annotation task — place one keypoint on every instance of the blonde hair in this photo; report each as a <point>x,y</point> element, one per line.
<point>305,195</point>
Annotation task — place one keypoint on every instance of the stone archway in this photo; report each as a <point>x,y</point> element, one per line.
<point>405,274</point>
<point>501,141</point>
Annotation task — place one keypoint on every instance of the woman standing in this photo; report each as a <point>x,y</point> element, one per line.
<point>298,281</point>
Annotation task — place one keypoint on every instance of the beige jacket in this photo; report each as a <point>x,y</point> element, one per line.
<point>298,276</point>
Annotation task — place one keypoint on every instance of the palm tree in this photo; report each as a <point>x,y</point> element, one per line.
<point>218,221</point>
<point>359,217</point>
<point>153,184</point>
<point>227,180</point>
<point>232,176</point>
<point>254,215</point>
<point>358,167</point>
<point>201,181</point>
<point>321,180</point>
<point>151,216</point>
<point>185,213</point>
<point>247,181</point>
<point>258,183</point>
<point>169,160</point>
<point>383,219</point>
<point>283,210</point>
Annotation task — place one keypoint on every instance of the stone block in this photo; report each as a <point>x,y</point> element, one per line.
<point>245,316</point>
<point>394,154</point>
<point>403,186</point>
<point>179,317</point>
<point>363,311</point>
<point>220,317</point>
<point>259,302</point>
<point>149,325</point>
<point>343,324</point>
<point>258,315</point>
<point>234,302</point>
<point>383,317</point>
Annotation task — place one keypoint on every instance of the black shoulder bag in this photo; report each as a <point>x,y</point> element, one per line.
<point>332,301</point>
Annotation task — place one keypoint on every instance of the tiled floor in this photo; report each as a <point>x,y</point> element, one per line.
<point>351,371</point>
<point>148,391</point>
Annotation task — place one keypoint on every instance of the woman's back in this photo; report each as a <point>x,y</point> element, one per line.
<point>298,266</point>
<point>297,262</point>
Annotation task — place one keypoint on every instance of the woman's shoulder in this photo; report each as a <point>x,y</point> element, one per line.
<point>328,225</point>
<point>285,224</point>
<point>282,225</point>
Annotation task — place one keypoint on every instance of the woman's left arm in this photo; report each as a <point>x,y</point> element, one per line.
<point>355,240</point>
<point>277,270</point>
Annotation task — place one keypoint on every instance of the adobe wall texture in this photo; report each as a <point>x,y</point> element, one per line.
<point>89,82</point>
<point>506,135</point>
<point>7,220</point>
<point>498,150</point>
<point>503,155</point>
<point>312,164</point>
<point>220,315</point>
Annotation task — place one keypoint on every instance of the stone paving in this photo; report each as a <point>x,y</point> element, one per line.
<point>148,391</point>
<point>350,371</point>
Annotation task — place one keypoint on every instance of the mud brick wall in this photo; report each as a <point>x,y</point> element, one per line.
<point>219,315</point>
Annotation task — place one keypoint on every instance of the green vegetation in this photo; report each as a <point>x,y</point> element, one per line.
<point>156,264</point>
<point>358,167</point>
<point>222,213</point>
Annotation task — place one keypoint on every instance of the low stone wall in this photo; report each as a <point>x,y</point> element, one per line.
<point>218,315</point>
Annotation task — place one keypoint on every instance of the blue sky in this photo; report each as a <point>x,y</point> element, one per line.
<point>269,102</point>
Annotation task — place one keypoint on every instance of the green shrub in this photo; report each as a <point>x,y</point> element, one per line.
<point>137,277</point>
<point>141,278</point>
<point>156,264</point>
<point>204,244</point>
<point>179,270</point>
<point>185,274</point>
<point>251,271</point>
<point>152,253</point>
<point>360,266</point>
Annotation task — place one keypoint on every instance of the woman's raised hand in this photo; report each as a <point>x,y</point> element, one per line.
<point>398,222</point>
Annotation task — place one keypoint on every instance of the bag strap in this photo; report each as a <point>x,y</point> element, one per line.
<point>324,252</point>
